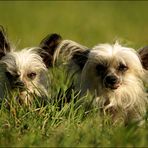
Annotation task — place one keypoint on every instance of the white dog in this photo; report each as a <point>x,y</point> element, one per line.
<point>25,71</point>
<point>113,74</point>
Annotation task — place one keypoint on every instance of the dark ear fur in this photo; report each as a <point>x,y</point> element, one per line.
<point>80,58</point>
<point>49,45</point>
<point>144,57</point>
<point>4,44</point>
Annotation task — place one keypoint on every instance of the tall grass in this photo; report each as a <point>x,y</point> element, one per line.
<point>77,123</point>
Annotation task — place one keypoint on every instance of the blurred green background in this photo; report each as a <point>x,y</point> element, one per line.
<point>87,22</point>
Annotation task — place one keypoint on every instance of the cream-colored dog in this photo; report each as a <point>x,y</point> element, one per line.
<point>113,74</point>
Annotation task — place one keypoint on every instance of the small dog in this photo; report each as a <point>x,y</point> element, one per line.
<point>25,71</point>
<point>113,74</point>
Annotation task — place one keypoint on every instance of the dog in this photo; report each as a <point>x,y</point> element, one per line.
<point>113,74</point>
<point>25,72</point>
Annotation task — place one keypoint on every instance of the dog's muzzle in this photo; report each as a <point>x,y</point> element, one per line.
<point>112,82</point>
<point>20,85</point>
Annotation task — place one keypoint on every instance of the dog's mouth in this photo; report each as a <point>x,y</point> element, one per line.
<point>115,86</point>
<point>19,88</point>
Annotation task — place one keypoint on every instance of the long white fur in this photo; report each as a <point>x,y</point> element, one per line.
<point>130,99</point>
<point>24,61</point>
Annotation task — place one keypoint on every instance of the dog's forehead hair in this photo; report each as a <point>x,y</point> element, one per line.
<point>117,51</point>
<point>24,61</point>
<point>107,61</point>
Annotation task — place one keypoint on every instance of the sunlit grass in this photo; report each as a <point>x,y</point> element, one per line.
<point>77,123</point>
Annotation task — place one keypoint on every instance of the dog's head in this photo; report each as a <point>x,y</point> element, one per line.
<point>113,64</point>
<point>107,67</point>
<point>25,70</point>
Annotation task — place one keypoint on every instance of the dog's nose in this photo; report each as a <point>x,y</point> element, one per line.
<point>19,84</point>
<point>111,80</point>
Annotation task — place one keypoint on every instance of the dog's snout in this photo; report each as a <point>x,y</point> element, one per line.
<point>111,79</point>
<point>19,83</point>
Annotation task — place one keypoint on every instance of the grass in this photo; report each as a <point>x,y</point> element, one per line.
<point>46,126</point>
<point>77,123</point>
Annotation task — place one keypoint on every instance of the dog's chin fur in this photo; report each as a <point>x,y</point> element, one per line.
<point>22,63</point>
<point>128,99</point>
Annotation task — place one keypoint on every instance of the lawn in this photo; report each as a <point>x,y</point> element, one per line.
<point>77,123</point>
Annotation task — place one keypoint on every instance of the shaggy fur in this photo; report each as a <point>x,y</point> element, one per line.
<point>143,52</point>
<point>112,74</point>
<point>25,71</point>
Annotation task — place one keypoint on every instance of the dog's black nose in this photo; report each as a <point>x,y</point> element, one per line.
<point>19,84</point>
<point>111,80</point>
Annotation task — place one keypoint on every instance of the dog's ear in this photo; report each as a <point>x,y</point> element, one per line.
<point>74,52</point>
<point>49,45</point>
<point>143,52</point>
<point>80,58</point>
<point>4,44</point>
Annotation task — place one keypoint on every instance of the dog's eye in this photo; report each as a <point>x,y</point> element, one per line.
<point>100,68</point>
<point>31,75</point>
<point>122,68</point>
